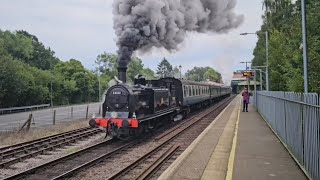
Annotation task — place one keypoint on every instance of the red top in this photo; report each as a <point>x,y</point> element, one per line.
<point>246,96</point>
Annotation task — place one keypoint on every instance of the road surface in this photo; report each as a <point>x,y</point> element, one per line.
<point>42,118</point>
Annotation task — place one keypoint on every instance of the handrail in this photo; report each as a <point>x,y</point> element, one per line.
<point>289,100</point>
<point>3,110</point>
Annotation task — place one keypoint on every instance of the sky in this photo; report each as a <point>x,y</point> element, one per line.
<point>83,29</point>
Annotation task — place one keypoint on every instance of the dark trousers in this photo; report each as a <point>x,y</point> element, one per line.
<point>245,106</point>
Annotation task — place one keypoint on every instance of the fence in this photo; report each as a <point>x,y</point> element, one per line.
<point>295,118</point>
<point>21,109</point>
<point>48,117</point>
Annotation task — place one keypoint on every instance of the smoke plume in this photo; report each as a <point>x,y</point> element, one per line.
<point>143,24</point>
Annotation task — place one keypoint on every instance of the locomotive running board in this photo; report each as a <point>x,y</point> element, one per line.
<point>159,114</point>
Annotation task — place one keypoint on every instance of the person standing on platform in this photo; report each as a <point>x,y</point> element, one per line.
<point>246,97</point>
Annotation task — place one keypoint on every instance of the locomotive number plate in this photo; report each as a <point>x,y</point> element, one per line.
<point>116,93</point>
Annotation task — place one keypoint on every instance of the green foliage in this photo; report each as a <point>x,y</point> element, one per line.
<point>108,67</point>
<point>28,69</point>
<point>18,46</point>
<point>79,83</point>
<point>283,22</point>
<point>21,84</point>
<point>42,57</point>
<point>148,73</point>
<point>135,67</point>
<point>164,68</point>
<point>203,74</point>
<point>176,72</point>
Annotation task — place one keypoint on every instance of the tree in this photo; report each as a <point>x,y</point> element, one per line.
<point>148,73</point>
<point>164,68</point>
<point>42,57</point>
<point>176,72</point>
<point>108,64</point>
<point>203,74</point>
<point>28,69</point>
<point>135,67</point>
<point>74,72</point>
<point>21,85</point>
<point>16,45</point>
<point>212,75</point>
<point>283,22</point>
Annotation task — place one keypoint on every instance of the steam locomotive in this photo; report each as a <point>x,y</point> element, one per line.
<point>131,110</point>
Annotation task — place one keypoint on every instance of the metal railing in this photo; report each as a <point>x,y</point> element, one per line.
<point>48,116</point>
<point>23,108</point>
<point>295,118</point>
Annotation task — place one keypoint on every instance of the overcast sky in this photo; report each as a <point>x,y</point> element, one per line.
<point>82,29</point>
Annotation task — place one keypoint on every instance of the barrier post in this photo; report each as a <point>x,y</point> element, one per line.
<point>71,113</point>
<point>87,111</point>
<point>27,121</point>
<point>54,117</point>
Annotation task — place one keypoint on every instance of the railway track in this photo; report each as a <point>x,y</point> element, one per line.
<point>19,152</point>
<point>171,145</point>
<point>152,154</point>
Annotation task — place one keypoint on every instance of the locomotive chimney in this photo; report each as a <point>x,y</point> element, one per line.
<point>122,74</point>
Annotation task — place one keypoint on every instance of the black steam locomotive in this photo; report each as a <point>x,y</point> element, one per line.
<point>131,110</point>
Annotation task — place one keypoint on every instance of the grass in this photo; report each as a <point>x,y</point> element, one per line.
<point>10,138</point>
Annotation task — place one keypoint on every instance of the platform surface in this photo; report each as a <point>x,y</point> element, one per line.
<point>237,145</point>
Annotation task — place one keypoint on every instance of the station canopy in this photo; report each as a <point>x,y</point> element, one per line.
<point>245,83</point>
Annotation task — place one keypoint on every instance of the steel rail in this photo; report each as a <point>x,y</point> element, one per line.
<point>47,165</point>
<point>151,169</point>
<point>28,143</point>
<point>44,147</point>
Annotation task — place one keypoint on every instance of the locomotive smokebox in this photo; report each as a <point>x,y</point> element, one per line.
<point>122,74</point>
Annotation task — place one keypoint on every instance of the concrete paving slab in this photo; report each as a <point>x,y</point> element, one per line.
<point>259,154</point>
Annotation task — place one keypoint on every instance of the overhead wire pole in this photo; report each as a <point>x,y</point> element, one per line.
<point>305,47</point>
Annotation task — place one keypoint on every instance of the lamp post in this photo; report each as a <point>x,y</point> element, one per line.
<point>255,88</point>
<point>51,89</point>
<point>305,47</point>
<point>267,55</point>
<point>180,70</point>
<point>99,79</point>
<point>248,80</point>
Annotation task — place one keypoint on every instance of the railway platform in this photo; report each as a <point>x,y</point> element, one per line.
<point>239,146</point>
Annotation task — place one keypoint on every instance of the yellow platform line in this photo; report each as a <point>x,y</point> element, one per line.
<point>233,149</point>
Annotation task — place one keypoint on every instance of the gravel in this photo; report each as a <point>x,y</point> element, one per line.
<point>49,156</point>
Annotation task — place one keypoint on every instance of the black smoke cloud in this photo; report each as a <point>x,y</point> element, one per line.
<point>143,24</point>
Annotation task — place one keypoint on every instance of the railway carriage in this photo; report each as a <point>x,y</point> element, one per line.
<point>131,110</point>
